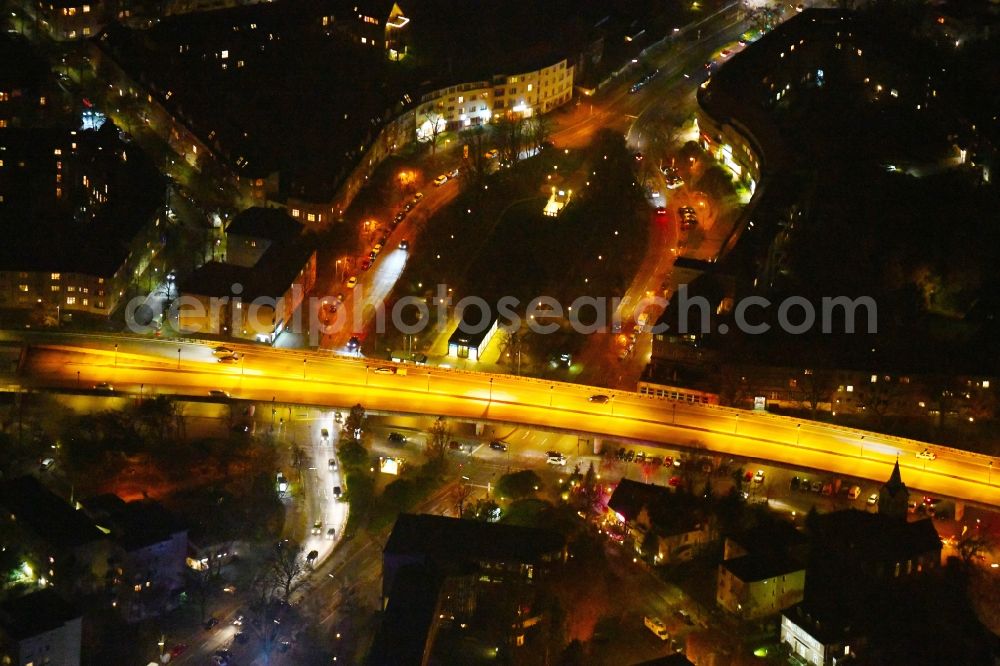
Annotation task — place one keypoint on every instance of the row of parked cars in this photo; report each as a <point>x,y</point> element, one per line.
<point>829,488</point>
<point>641,457</point>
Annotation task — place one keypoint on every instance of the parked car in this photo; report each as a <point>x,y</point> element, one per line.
<point>490,154</point>
<point>46,463</point>
<point>218,393</point>
<point>366,264</point>
<point>376,248</point>
<point>817,486</point>
<point>397,438</point>
<point>658,627</point>
<point>211,623</point>
<point>794,483</point>
<point>854,492</point>
<point>674,481</point>
<point>873,499</point>
<point>351,281</point>
<point>497,445</point>
<point>555,458</point>
<point>630,456</point>
<point>440,180</point>
<point>758,476</point>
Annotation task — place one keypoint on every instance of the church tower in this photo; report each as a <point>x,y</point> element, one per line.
<point>893,497</point>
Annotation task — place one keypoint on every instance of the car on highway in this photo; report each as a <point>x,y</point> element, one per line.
<point>404,244</point>
<point>229,360</point>
<point>927,454</point>
<point>332,465</point>
<point>397,438</point>
<point>354,343</point>
<point>211,623</point>
<point>178,649</point>
<point>238,620</point>
<point>674,481</point>
<point>104,386</point>
<point>816,487</point>
<point>400,216</point>
<point>366,264</point>
<point>684,617</point>
<point>453,173</point>
<point>661,211</point>
<point>497,445</point>
<point>440,180</point>
<point>330,534</point>
<point>46,463</point>
<point>629,456</point>
<point>417,197</point>
<point>317,528</point>
<point>218,393</point>
<point>337,492</point>
<point>340,297</point>
<point>377,248</point>
<point>222,351</point>
<point>351,281</point>
<point>555,458</point>
<point>638,157</point>
<point>385,370</point>
<point>598,398</point>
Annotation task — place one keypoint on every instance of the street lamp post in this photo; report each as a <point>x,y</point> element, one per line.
<point>798,431</point>
<point>304,368</point>
<point>551,389</point>
<point>116,355</point>
<point>428,381</point>
<point>78,379</point>
<point>989,474</point>
<point>491,389</point>
<point>736,427</point>
<point>862,446</point>
<point>178,358</point>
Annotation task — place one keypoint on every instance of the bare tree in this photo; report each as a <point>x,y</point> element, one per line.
<point>475,142</point>
<point>815,387</point>
<point>437,127</point>
<point>460,494</point>
<point>539,129</point>
<point>286,565</point>
<point>437,438</point>
<point>510,135</point>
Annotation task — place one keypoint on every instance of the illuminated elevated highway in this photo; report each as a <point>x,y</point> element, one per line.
<point>262,374</point>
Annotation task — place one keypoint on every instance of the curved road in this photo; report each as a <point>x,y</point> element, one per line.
<point>305,378</point>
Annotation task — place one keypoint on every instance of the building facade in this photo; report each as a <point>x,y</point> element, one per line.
<point>71,19</point>
<point>40,629</point>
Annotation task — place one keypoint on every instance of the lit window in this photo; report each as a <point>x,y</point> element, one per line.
<point>55,287</point>
<point>225,54</point>
<point>57,151</point>
<point>85,301</point>
<point>850,388</point>
<point>311,217</point>
<point>56,276</point>
<point>295,212</point>
<point>86,9</point>
<point>364,40</point>
<point>874,379</point>
<point>71,300</point>
<point>22,287</point>
<point>531,87</point>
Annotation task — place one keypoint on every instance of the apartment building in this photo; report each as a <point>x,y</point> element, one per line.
<point>71,19</point>
<point>40,628</point>
<point>83,215</point>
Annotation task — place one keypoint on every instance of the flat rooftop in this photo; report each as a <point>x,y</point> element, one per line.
<point>36,613</point>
